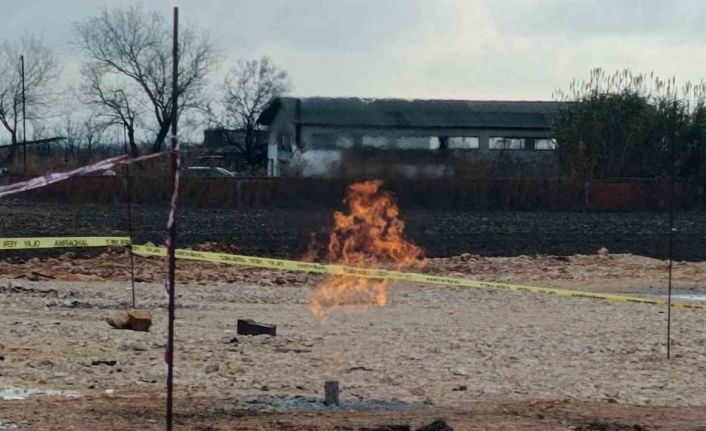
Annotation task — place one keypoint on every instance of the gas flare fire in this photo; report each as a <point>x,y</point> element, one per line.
<point>370,235</point>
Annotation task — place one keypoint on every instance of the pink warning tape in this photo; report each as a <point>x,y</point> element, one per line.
<point>52,178</point>
<point>171,220</point>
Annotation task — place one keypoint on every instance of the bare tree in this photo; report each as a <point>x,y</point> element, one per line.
<point>72,133</point>
<point>41,70</point>
<point>137,45</point>
<point>109,94</point>
<point>82,134</point>
<point>249,86</point>
<point>93,131</point>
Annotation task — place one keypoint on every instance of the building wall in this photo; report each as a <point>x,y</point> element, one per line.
<point>282,128</point>
<point>336,151</point>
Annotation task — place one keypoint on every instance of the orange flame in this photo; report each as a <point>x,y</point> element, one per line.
<point>369,236</point>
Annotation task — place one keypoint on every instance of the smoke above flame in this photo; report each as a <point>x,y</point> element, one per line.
<point>369,235</point>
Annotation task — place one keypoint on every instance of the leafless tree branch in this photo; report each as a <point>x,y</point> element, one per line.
<point>41,71</point>
<point>248,88</point>
<point>137,45</point>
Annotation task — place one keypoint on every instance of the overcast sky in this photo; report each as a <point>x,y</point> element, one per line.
<point>462,49</point>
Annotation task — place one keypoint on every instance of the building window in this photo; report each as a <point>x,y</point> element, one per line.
<point>375,141</point>
<point>463,143</point>
<point>416,143</point>
<point>501,143</point>
<point>283,143</point>
<point>344,142</point>
<point>434,143</point>
<point>545,144</point>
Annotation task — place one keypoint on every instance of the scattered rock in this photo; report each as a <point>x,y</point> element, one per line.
<point>287,350</point>
<point>465,257</point>
<point>119,320</point>
<point>603,251</point>
<point>350,370</point>
<point>417,392</point>
<point>137,347</point>
<point>388,428</point>
<point>8,425</point>
<point>40,275</point>
<point>29,291</point>
<point>135,320</point>
<point>609,426</point>
<point>249,327</point>
<point>212,368</point>
<point>459,371</point>
<point>44,363</point>
<point>437,425</point>
<point>140,319</point>
<point>460,388</point>
<point>109,363</point>
<point>70,303</point>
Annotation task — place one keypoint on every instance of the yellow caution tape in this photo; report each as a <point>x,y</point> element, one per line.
<point>293,265</point>
<point>63,242</point>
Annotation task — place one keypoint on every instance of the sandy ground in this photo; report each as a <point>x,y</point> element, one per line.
<point>484,360</point>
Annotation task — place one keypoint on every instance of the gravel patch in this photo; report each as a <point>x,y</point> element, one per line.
<point>430,345</point>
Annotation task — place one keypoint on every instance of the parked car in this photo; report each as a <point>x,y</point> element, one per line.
<point>207,171</point>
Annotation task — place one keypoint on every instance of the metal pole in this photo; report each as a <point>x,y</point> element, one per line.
<point>24,116</point>
<point>171,226</point>
<point>128,192</point>
<point>671,227</point>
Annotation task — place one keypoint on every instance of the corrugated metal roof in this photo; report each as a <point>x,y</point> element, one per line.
<point>419,113</point>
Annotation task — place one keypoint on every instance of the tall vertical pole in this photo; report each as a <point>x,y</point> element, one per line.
<point>671,225</point>
<point>24,115</point>
<point>171,224</point>
<point>128,192</point>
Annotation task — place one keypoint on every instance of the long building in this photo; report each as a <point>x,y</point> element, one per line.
<point>376,137</point>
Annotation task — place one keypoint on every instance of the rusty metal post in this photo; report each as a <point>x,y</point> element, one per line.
<point>171,225</point>
<point>128,197</point>
<point>331,393</point>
